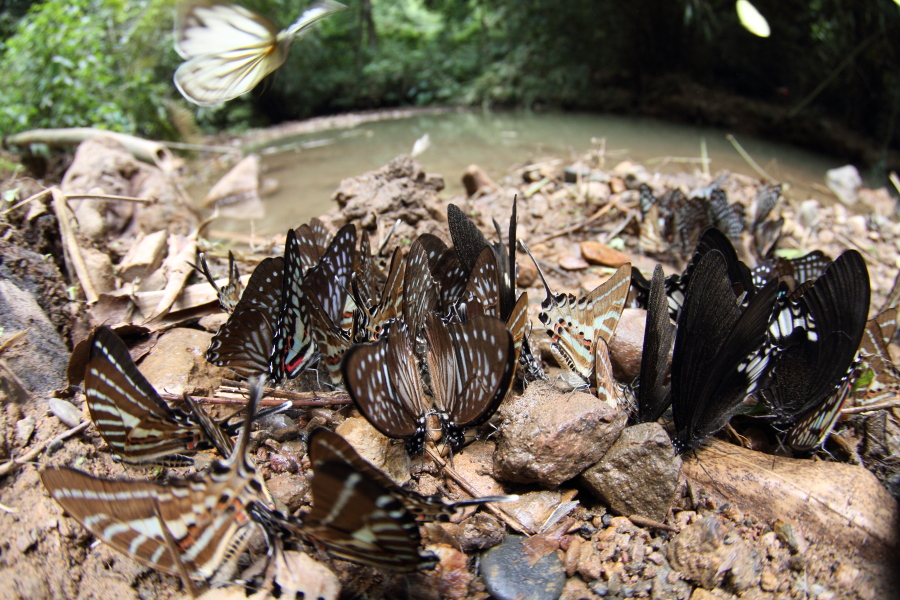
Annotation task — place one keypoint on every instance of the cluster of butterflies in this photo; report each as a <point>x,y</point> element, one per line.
<point>429,345</point>
<point>200,528</point>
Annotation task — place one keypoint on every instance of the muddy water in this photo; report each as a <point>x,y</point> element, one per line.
<point>309,168</point>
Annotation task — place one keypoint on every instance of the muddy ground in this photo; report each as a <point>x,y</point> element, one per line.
<point>739,523</point>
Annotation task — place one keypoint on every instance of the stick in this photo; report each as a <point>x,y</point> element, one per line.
<point>13,339</point>
<point>594,217</point>
<point>108,197</point>
<point>895,180</point>
<point>312,401</point>
<point>871,407</point>
<point>645,522</point>
<point>26,201</point>
<point>704,155</point>
<point>63,215</point>
<point>748,158</point>
<point>9,465</point>
<point>499,512</point>
<point>851,244</point>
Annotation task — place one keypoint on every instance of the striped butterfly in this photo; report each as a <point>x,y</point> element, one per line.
<point>228,49</point>
<point>195,528</point>
<point>574,324</point>
<point>132,418</point>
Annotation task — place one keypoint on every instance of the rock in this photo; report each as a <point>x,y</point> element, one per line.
<point>639,474</point>
<point>627,344</point>
<point>400,190</point>
<point>38,359</point>
<point>527,274</point>
<point>177,364</point>
<point>858,226</point>
<point>632,174</point>
<point>66,412</point>
<point>475,179</point>
<point>572,262</point>
<point>479,532</point>
<point>475,463</point>
<point>289,488</point>
<point>451,575</point>
<point>577,589</point>
<point>24,430</point>
<point>547,436</point>
<point>601,254</point>
<point>212,323</point>
<point>300,576</point>
<point>508,576</point>
<point>710,549</point>
<point>533,508</point>
<point>808,213</point>
<point>597,192</point>
<point>578,170</point>
<point>381,451</point>
<point>845,183</point>
<point>879,200</point>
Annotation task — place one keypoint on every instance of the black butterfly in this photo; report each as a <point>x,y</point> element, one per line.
<point>819,328</point>
<point>244,342</point>
<point>469,367</point>
<point>652,393</point>
<point>805,268</point>
<point>720,353</point>
<point>813,428</point>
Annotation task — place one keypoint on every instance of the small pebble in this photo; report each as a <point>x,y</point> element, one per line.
<point>65,412</point>
<point>24,429</point>
<point>508,576</point>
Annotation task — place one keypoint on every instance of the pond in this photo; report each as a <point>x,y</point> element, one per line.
<point>311,168</point>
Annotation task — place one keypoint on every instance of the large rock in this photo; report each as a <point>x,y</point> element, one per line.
<point>627,344</point>
<point>383,452</point>
<point>639,474</point>
<point>177,364</point>
<point>548,437</point>
<point>399,190</point>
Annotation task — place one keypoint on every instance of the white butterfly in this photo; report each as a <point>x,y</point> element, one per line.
<point>229,49</point>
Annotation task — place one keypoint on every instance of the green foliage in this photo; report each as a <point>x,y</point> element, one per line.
<point>75,63</point>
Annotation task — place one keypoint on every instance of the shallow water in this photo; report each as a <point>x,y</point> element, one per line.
<point>309,173</point>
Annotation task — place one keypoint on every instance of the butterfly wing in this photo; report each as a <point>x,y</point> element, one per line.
<point>128,412</point>
<point>653,394</point>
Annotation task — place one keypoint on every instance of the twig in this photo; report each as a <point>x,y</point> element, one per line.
<point>871,407</point>
<point>645,522</point>
<point>704,155</point>
<point>895,180</point>
<point>25,201</point>
<point>108,197</point>
<point>13,339</point>
<point>748,158</point>
<point>572,228</point>
<point>310,401</point>
<point>499,512</point>
<point>850,243</point>
<point>70,243</point>
<point>9,465</point>
<point>202,147</point>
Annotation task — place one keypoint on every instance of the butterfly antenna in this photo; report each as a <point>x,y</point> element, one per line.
<point>538,267</point>
<point>387,238</point>
<point>203,269</point>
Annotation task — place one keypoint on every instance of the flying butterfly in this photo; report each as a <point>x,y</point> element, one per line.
<point>195,528</point>
<point>469,365</point>
<point>573,324</point>
<point>720,354</point>
<point>228,49</point>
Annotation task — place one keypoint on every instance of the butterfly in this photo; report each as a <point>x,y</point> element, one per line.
<point>132,418</point>
<point>326,284</point>
<point>469,366</point>
<point>358,514</point>
<point>230,293</point>
<point>721,353</point>
<point>573,324</point>
<point>229,49</point>
<point>819,328</point>
<point>652,393</point>
<point>195,528</point>
<point>813,428</point>
<point>244,342</point>
<point>802,269</point>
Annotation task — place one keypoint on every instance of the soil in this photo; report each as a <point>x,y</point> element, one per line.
<point>713,544</point>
